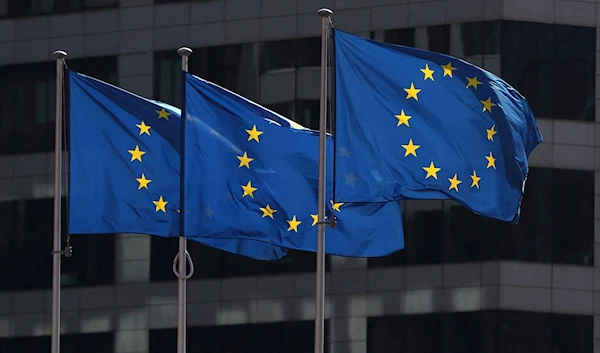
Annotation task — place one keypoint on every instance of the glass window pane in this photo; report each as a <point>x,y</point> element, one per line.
<point>402,36</point>
<point>439,38</point>
<point>574,61</point>
<point>527,62</point>
<point>277,55</point>
<point>288,337</point>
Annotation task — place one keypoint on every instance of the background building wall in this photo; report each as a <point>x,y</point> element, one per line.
<point>519,272</point>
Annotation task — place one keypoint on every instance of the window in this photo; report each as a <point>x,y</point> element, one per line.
<point>482,331</point>
<point>277,74</point>
<point>403,36</point>
<point>26,230</point>
<point>556,225</point>
<point>439,38</point>
<point>231,66</point>
<point>289,337</point>
<point>71,343</point>
<point>540,60</point>
<point>217,263</point>
<point>27,121</point>
<point>37,7</point>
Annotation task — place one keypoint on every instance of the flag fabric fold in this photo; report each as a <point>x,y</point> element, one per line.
<point>124,164</point>
<point>414,124</point>
<point>250,173</point>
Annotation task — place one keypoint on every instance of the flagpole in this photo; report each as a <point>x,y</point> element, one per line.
<point>57,252</point>
<point>320,287</point>
<point>183,254</point>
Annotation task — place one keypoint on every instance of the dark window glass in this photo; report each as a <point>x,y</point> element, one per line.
<point>423,235</point>
<point>439,38</point>
<point>556,225</point>
<point>92,343</point>
<point>236,67</point>
<point>540,60</point>
<point>402,36</point>
<point>277,55</point>
<point>482,331</point>
<point>308,52</point>
<point>289,337</point>
<point>407,334</point>
<point>233,67</point>
<point>307,113</point>
<point>37,7</point>
<point>167,73</point>
<point>27,228</point>
<point>27,123</point>
<point>218,263</point>
<point>480,38</point>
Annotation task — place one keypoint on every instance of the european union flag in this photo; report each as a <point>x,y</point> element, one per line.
<point>257,173</point>
<point>422,125</point>
<point>124,167</point>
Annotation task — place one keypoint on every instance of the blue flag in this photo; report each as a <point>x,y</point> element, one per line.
<point>257,174</point>
<point>421,125</point>
<point>124,167</point>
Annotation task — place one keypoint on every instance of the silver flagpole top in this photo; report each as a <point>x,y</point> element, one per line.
<point>184,51</point>
<point>325,12</point>
<point>59,54</point>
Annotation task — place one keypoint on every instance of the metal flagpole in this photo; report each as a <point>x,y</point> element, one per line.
<point>320,294</point>
<point>183,255</point>
<point>57,252</point>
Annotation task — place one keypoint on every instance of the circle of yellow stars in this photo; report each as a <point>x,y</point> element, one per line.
<point>410,149</point>
<point>136,155</point>
<point>248,190</point>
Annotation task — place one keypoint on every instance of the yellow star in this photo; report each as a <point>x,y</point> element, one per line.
<point>428,73</point>
<point>475,179</point>
<point>248,189</point>
<point>143,182</point>
<point>163,114</point>
<point>487,105</point>
<point>491,132</point>
<point>410,148</point>
<point>491,161</point>
<point>160,205</point>
<point>448,69</point>
<point>136,154</point>
<point>315,218</point>
<point>412,92</point>
<point>245,161</point>
<point>403,118</point>
<point>336,206</point>
<point>144,129</point>
<point>473,82</point>
<point>431,171</point>
<point>267,211</point>
<point>253,134</point>
<point>454,183</point>
<point>294,223</point>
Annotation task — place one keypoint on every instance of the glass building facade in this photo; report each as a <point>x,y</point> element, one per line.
<point>463,283</point>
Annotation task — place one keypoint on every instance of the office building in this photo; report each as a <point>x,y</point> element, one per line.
<point>463,283</point>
